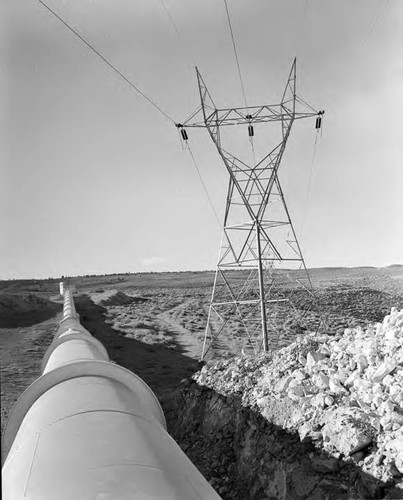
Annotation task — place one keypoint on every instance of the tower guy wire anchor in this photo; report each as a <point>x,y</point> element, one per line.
<point>262,288</point>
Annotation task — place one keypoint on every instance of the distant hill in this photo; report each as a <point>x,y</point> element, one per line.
<point>340,268</point>
<point>394,266</point>
<point>362,267</point>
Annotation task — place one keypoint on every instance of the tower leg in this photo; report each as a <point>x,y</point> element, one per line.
<point>259,283</point>
<point>261,290</point>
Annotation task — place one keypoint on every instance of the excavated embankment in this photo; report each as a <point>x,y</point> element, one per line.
<point>320,419</point>
<point>246,457</point>
<point>25,309</point>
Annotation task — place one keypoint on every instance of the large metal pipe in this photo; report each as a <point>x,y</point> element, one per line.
<point>90,429</point>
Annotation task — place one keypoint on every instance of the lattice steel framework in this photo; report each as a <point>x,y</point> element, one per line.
<point>261,271</point>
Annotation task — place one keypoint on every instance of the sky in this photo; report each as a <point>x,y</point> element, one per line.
<point>94,180</point>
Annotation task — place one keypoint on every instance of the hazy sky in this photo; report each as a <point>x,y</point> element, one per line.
<point>94,179</point>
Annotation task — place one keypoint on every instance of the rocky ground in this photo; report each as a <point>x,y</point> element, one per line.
<point>258,428</point>
<point>344,394</point>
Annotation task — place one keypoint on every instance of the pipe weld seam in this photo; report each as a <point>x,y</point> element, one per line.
<point>70,371</point>
<point>74,336</point>
<point>99,410</point>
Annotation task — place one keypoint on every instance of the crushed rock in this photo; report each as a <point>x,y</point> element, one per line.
<point>343,393</point>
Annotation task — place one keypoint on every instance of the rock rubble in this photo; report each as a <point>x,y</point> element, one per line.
<point>343,393</point>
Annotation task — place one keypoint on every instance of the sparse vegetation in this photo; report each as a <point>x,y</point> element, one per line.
<point>153,324</point>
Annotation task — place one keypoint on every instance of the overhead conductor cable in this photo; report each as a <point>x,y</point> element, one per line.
<point>107,62</point>
<point>235,52</point>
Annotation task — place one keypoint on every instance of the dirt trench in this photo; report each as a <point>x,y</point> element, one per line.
<point>240,453</point>
<point>245,457</point>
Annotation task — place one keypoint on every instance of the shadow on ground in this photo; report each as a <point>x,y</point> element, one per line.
<point>246,457</point>
<point>160,367</point>
<point>241,454</point>
<point>22,310</point>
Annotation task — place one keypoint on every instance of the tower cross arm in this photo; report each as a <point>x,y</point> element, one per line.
<point>252,114</point>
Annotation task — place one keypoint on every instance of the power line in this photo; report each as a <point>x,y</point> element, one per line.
<point>361,48</point>
<point>204,186</point>
<point>235,52</point>
<point>107,62</point>
<point>171,20</point>
<point>184,46</point>
<point>376,20</point>
<point>366,38</point>
<point>240,76</point>
<point>308,194</point>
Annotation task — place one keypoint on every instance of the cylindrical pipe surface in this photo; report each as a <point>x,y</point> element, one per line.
<point>88,428</point>
<point>72,351</point>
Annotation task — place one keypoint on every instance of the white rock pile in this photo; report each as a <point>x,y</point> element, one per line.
<point>345,393</point>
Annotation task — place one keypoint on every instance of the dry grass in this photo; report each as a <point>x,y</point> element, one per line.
<point>155,324</point>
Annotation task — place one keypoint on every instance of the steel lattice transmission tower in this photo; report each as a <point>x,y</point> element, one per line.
<point>261,271</point>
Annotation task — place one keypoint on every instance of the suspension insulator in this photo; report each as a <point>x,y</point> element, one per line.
<point>251,132</point>
<point>184,134</point>
<point>318,122</point>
